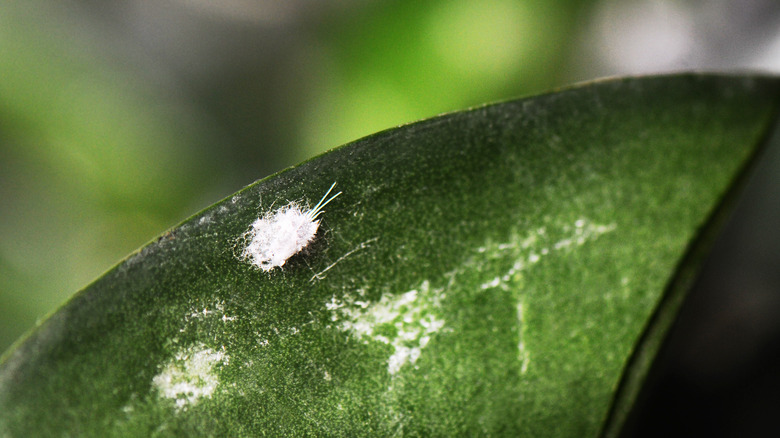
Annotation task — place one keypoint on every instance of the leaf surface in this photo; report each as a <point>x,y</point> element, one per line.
<point>486,272</point>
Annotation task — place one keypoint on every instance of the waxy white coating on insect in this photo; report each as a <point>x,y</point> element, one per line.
<point>282,233</point>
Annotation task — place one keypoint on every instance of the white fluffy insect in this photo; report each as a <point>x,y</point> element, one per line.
<point>282,233</point>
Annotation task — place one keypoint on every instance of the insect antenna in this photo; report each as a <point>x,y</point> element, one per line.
<point>318,208</point>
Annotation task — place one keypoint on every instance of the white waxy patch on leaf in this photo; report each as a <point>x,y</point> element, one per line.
<point>406,321</point>
<point>534,246</point>
<point>282,233</point>
<point>190,376</point>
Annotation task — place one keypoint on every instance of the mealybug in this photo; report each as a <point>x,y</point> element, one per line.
<point>282,233</point>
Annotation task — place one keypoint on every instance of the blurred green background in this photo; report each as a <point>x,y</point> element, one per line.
<point>120,119</point>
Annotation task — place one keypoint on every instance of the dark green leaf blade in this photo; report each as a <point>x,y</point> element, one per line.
<point>483,273</point>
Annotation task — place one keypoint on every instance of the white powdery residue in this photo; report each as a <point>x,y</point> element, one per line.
<point>190,376</point>
<point>528,251</point>
<point>584,231</point>
<point>563,243</point>
<point>334,304</point>
<point>216,309</point>
<point>523,354</point>
<point>492,283</point>
<point>280,234</point>
<point>406,322</point>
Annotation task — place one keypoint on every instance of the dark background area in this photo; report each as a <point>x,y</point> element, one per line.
<point>120,119</point>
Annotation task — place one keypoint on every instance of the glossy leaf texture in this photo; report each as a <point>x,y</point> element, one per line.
<point>486,272</point>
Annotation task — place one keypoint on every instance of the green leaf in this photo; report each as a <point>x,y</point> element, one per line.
<point>487,272</point>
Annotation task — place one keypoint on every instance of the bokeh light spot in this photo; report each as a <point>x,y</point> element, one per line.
<point>481,39</point>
